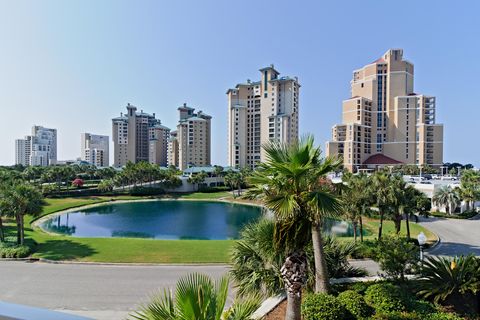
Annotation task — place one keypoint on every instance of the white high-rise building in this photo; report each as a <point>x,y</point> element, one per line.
<point>95,149</point>
<point>38,149</point>
<point>258,112</point>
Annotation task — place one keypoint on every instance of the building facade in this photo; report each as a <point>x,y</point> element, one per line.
<point>158,145</point>
<point>172,150</point>
<point>94,149</point>
<point>37,149</point>
<point>131,136</point>
<point>193,136</point>
<point>385,122</point>
<point>261,111</point>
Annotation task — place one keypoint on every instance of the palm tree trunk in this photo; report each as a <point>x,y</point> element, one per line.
<point>2,237</point>
<point>407,223</point>
<point>22,230</point>
<point>361,228</point>
<point>321,271</point>
<point>19,235</point>
<point>380,227</point>
<point>294,274</point>
<point>293,311</point>
<point>398,223</point>
<point>354,224</point>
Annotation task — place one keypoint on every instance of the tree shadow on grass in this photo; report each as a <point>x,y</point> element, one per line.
<point>63,250</point>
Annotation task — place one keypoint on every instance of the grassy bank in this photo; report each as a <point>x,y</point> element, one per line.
<point>58,247</point>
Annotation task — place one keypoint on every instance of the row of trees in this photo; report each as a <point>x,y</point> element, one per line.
<point>390,196</point>
<point>469,191</point>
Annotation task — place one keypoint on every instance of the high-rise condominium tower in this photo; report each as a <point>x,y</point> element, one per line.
<point>94,149</point>
<point>258,112</point>
<point>172,150</point>
<point>131,136</point>
<point>159,136</point>
<point>384,122</point>
<point>193,137</point>
<point>38,149</point>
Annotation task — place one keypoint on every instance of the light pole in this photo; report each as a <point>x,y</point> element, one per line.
<point>422,239</point>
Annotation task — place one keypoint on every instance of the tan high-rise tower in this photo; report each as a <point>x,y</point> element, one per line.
<point>131,133</point>
<point>384,122</point>
<point>258,112</point>
<point>192,138</point>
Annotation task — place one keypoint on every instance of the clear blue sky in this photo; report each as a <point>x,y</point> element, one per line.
<point>73,65</point>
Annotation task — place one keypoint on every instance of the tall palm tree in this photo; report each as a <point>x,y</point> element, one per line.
<point>290,184</point>
<point>197,297</point>
<point>447,197</point>
<point>19,200</point>
<point>356,199</point>
<point>383,196</point>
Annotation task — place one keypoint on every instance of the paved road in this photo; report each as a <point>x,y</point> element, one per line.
<point>457,236</point>
<point>97,291</point>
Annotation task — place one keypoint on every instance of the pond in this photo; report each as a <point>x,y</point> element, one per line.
<point>173,219</point>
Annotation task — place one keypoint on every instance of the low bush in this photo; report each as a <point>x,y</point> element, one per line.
<point>355,304</point>
<point>323,307</point>
<point>366,250</point>
<point>443,316</point>
<point>397,256</point>
<point>9,249</point>
<point>397,315</point>
<point>385,298</point>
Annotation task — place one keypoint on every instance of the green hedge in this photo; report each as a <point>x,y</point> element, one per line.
<point>355,304</point>
<point>323,307</point>
<point>385,297</point>
<point>10,249</point>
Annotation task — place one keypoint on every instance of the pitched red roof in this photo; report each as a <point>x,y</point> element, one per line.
<point>380,159</point>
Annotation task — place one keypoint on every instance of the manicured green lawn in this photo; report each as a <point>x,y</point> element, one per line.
<point>57,247</point>
<point>389,228</point>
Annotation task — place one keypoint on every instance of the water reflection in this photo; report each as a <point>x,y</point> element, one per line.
<point>200,220</point>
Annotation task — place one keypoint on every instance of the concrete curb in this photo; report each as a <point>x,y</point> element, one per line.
<point>133,264</point>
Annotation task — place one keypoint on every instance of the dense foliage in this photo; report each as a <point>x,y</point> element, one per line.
<point>321,306</point>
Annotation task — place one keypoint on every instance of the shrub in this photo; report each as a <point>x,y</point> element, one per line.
<point>323,307</point>
<point>355,304</point>
<point>443,316</point>
<point>397,256</point>
<point>366,250</point>
<point>452,282</point>
<point>385,297</point>
<point>397,315</point>
<point>12,250</point>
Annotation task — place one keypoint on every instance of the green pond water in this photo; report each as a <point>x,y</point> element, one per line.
<point>165,220</point>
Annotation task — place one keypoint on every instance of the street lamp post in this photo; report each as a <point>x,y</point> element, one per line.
<point>422,239</point>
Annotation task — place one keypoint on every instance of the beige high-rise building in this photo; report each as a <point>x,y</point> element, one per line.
<point>258,112</point>
<point>193,137</point>
<point>385,122</point>
<point>159,136</point>
<point>173,149</point>
<point>131,136</point>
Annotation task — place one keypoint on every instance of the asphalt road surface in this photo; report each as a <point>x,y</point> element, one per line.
<point>96,291</point>
<point>457,237</point>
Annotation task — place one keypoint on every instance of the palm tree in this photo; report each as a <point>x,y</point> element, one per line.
<point>383,196</point>
<point>197,297</point>
<point>289,183</point>
<point>356,200</point>
<point>19,200</point>
<point>470,188</point>
<point>446,197</point>
<point>452,281</point>
<point>257,261</point>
